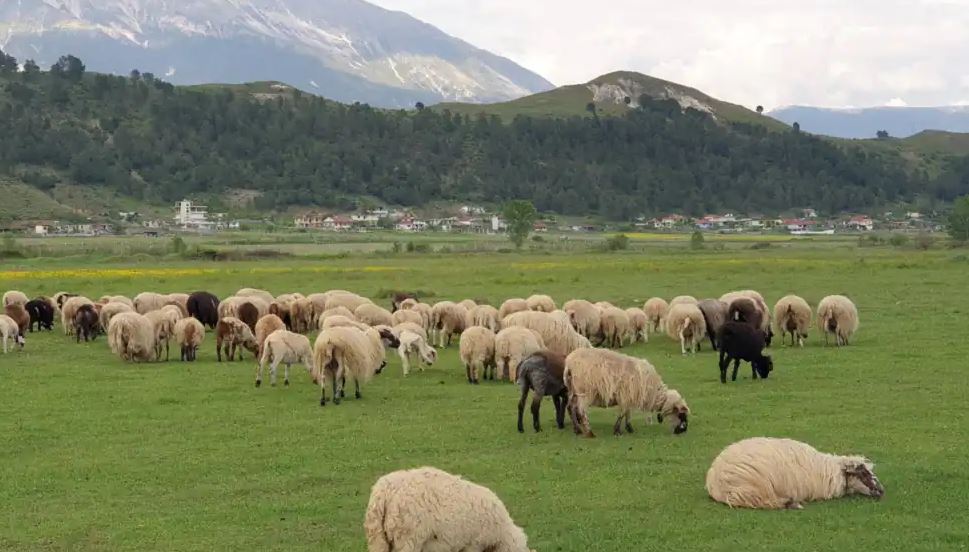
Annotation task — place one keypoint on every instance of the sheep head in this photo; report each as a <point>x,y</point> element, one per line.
<point>676,410</point>
<point>428,355</point>
<point>860,478</point>
<point>388,338</point>
<point>763,365</point>
<point>21,341</point>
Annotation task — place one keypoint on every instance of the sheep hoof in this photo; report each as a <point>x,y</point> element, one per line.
<point>258,383</point>
<point>336,401</point>
<point>358,395</point>
<point>322,402</point>
<point>793,506</point>
<point>286,383</point>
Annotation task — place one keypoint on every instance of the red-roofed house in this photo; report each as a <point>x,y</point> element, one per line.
<point>861,222</point>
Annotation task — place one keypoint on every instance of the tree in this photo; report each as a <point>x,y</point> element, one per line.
<point>135,75</point>
<point>959,220</point>
<point>68,67</point>
<point>882,135</point>
<point>619,242</point>
<point>627,100</point>
<point>520,218</point>
<point>8,64</point>
<point>696,240</point>
<point>760,110</point>
<point>31,70</point>
<point>419,106</point>
<point>797,127</point>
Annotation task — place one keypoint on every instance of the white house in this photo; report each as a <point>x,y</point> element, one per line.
<point>41,229</point>
<point>188,215</point>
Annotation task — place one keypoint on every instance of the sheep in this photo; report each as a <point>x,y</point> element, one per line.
<point>468,304</point>
<point>409,327</point>
<point>485,316</point>
<point>149,301</point>
<point>61,297</point>
<point>10,330</point>
<point>285,347</point>
<point>69,309</point>
<point>337,321</point>
<point>839,316</point>
<point>132,337</point>
<point>585,318</point>
<point>557,334</point>
<point>412,342</point>
<point>774,474</point>
<point>426,312</point>
<point>18,313</point>
<point>792,315</point>
<point>407,315</point>
<point>163,321</point>
<point>345,299</point>
<point>109,311</point>
<point>189,334</point>
<point>637,324</point>
<point>179,300</point>
<point>229,307</point>
<point>232,333</point>
<point>86,323</point>
<point>263,295</point>
<point>540,303</point>
<point>615,326</point>
<point>739,341</point>
<point>301,314</point>
<point>477,351</point>
<point>372,315</point>
<point>715,316</point>
<point>204,307</point>
<point>428,509</point>
<point>511,306</point>
<point>684,323</point>
<point>283,310</point>
<point>398,298</point>
<point>248,312</point>
<point>266,326</point>
<point>407,303</point>
<point>41,313</point>
<point>341,352</point>
<point>655,309</point>
<point>599,377</point>
<point>14,297</point>
<point>512,345</point>
<point>105,299</point>
<point>542,372</point>
<point>683,300</point>
<point>759,304</point>
<point>337,311</point>
<point>603,305</point>
<point>450,319</point>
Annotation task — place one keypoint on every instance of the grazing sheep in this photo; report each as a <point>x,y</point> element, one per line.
<point>285,347</point>
<point>450,319</point>
<point>512,345</point>
<point>283,311</point>
<point>684,323</point>
<point>511,306</point>
<point>179,300</point>
<point>265,327</point>
<point>739,341</point>
<point>683,300</point>
<point>163,322</point>
<point>638,323</point>
<point>603,305</point>
<point>774,474</point>
<point>477,351</point>
<point>132,337</point>
<point>348,352</point>
<point>839,316</point>
<point>336,311</point>
<point>345,299</point>
<point>10,331</point>
<point>792,315</point>
<point>407,304</point>
<point>412,342</point>
<point>229,307</point>
<point>248,312</point>
<point>409,327</point>
<point>337,321</point>
<point>542,372</point>
<point>372,315</point>
<point>86,323</point>
<point>301,314</point>
<point>485,316</point>
<point>69,309</point>
<point>655,309</point>
<point>189,334</point>
<point>759,304</point>
<point>715,316</point>
<point>204,307</point>
<point>426,312</point>
<point>407,315</point>
<point>557,334</point>
<point>230,334</point>
<point>18,313</point>
<point>398,298</point>
<point>540,303</point>
<point>615,326</point>
<point>744,309</point>
<point>599,377</point>
<point>586,318</point>
<point>109,311</point>
<point>427,509</point>
<point>104,300</point>
<point>14,297</point>
<point>468,304</point>
<point>149,301</point>
<point>263,295</point>
<point>61,297</point>
<point>41,313</point>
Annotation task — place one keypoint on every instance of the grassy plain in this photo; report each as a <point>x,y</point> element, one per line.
<point>100,455</point>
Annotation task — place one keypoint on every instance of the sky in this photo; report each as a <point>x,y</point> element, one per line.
<point>845,53</point>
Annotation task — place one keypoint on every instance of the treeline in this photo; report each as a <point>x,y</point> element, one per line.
<point>148,139</point>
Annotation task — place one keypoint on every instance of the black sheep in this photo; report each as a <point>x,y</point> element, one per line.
<point>41,313</point>
<point>740,341</point>
<point>542,372</point>
<point>86,323</point>
<point>204,307</point>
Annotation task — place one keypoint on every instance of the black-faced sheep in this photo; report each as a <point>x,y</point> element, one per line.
<point>284,347</point>
<point>792,315</point>
<point>477,352</point>
<point>544,374</point>
<point>232,334</point>
<point>9,331</point>
<point>685,323</point>
<point>780,474</point>
<point>739,341</point>
<point>204,307</point>
<point>189,334</point>
<point>41,313</point>
<point>86,323</point>
<point>837,315</point>
<point>715,316</point>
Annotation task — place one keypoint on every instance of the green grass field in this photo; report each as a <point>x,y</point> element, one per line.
<point>102,455</point>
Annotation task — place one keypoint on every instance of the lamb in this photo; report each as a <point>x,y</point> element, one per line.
<point>512,345</point>
<point>266,326</point>
<point>285,347</point>
<point>263,295</point>
<point>163,321</point>
<point>638,322</point>
<point>407,315</point>
<point>599,377</point>
<point>615,326</point>
<point>86,323</point>
<point>477,351</point>
<point>204,307</point>
<point>839,316</point>
<point>69,309</point>
<point>739,341</point>
<point>511,306</point>
<point>485,316</point>
<point>792,315</point>
<point>149,301</point>
<point>10,331</point>
<point>132,337</point>
<point>248,312</point>
<point>342,352</point>
<point>715,316</point>
<point>41,313</point>
<point>232,333</point>
<point>542,372</point>
<point>427,509</point>
<point>774,474</point>
<point>189,334</point>
<point>683,300</point>
<point>14,297</point>
<point>450,319</point>
<point>18,313</point>
<point>372,315</point>
<point>684,323</point>
<point>585,318</point>
<point>109,311</point>
<point>655,309</point>
<point>559,336</point>
<point>540,303</point>
<point>412,342</point>
<point>409,327</point>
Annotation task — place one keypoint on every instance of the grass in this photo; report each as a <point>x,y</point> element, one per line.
<point>100,455</point>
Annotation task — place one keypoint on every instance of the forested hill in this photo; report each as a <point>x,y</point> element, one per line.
<point>150,140</point>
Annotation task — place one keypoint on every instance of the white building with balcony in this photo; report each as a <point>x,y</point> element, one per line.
<point>189,215</point>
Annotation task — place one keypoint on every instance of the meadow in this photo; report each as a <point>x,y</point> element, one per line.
<point>102,455</point>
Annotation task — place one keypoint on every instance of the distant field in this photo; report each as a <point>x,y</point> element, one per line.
<point>100,455</point>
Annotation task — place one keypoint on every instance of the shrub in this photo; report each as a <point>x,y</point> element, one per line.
<point>898,240</point>
<point>697,240</point>
<point>619,242</point>
<point>397,247</point>
<point>762,245</point>
<point>537,238</point>
<point>870,240</point>
<point>178,245</point>
<point>924,241</point>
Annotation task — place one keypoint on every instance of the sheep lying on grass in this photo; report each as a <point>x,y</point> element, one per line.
<point>792,315</point>
<point>189,334</point>
<point>739,341</point>
<point>285,347</point>
<point>655,309</point>
<point>426,509</point>
<point>9,331</point>
<point>685,323</point>
<point>348,352</point>
<point>782,473</point>
<point>411,342</point>
<point>558,335</point>
<point>131,336</point>
<point>839,316</point>
<point>477,351</point>
<point>232,334</point>
<point>599,377</point>
<point>543,373</point>
<point>512,345</point>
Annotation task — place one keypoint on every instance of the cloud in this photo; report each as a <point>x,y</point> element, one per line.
<point>896,102</point>
<point>772,53</point>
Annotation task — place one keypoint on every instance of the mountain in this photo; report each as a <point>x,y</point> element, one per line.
<point>900,122</point>
<point>609,92</point>
<point>346,50</point>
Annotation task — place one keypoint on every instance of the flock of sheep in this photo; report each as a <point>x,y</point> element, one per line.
<point>567,353</point>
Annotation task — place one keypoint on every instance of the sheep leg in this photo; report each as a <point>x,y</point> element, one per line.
<point>286,375</point>
<point>682,343</point>
<point>338,385</point>
<point>629,425</point>
<point>521,407</point>
<point>403,360</point>
<point>724,362</point>
<point>560,401</point>
<point>323,390</point>
<point>167,345</point>
<point>536,408</point>
<point>218,349</point>
<point>272,372</point>
<point>736,366</point>
<point>617,427</point>
<point>467,370</point>
<point>356,386</point>
<point>259,367</point>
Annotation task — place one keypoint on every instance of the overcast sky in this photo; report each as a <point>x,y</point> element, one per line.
<point>774,53</point>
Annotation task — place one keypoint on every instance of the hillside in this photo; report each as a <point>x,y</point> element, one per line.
<point>900,122</point>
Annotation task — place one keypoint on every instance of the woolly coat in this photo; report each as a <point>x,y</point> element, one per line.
<point>557,334</point>
<point>407,315</point>
<point>838,315</point>
<point>656,309</point>
<point>283,346</point>
<point>477,348</point>
<point>511,306</point>
<point>637,324</point>
<point>540,303</point>
<point>263,295</point>
<point>69,309</point>
<point>615,326</point>
<point>189,332</point>
<point>585,317</point>
<point>149,301</point>
<point>265,327</point>
<point>14,297</point>
<point>685,323</point>
<point>131,336</point>
<point>486,316</point>
<point>512,345</point>
<point>792,315</point>
<point>372,315</point>
<point>356,354</point>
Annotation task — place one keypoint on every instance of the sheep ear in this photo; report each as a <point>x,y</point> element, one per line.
<point>855,468</point>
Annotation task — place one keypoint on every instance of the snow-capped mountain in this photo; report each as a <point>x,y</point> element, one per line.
<point>347,50</point>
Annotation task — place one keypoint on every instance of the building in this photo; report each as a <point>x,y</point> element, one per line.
<point>411,224</point>
<point>337,223</point>
<point>797,225</point>
<point>312,219</point>
<point>862,223</point>
<point>41,229</point>
<point>189,215</point>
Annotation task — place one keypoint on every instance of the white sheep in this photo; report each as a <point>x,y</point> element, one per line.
<point>373,315</point>
<point>655,309</point>
<point>511,306</point>
<point>837,315</point>
<point>407,315</point>
<point>477,352</point>
<point>449,319</point>
<point>427,509</point>
<point>301,312</point>
<point>105,299</point>
<point>348,300</point>
<point>585,317</point>
<point>342,352</point>
<point>638,323</point>
<point>261,294</point>
<point>412,342</point>
<point>14,297</point>
<point>615,326</point>
<point>189,334</point>
<point>468,304</point>
<point>512,345</point>
<point>338,321</point>
<point>426,312</point>
<point>179,300</point>
<point>540,303</point>
<point>485,316</point>
<point>683,300</point>
<point>163,321</point>
<point>149,301</point>
<point>131,336</point>
<point>792,315</point>
<point>603,378</point>
<point>775,474</point>
<point>285,347</point>
<point>559,336</point>
<point>409,327</point>
<point>9,330</point>
<point>69,310</point>
<point>336,311</point>
<point>685,323</point>
<point>110,310</point>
